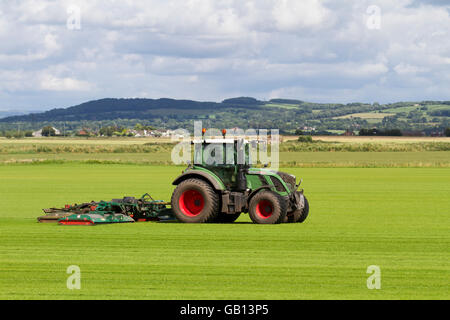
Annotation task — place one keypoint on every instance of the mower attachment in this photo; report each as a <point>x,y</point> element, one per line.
<point>128,209</point>
<point>94,218</point>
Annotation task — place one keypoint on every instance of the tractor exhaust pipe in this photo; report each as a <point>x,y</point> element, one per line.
<point>241,179</point>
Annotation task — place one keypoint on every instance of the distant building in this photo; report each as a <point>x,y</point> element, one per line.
<point>348,133</point>
<point>83,133</point>
<point>38,133</point>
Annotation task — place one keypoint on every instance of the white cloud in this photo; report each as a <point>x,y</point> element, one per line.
<point>293,15</point>
<point>52,83</point>
<point>407,69</point>
<point>209,50</point>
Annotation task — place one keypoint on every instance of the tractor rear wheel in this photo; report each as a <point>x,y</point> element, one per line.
<point>267,207</point>
<point>195,201</point>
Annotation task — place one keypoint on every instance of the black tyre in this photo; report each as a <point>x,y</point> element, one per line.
<point>195,201</point>
<point>227,218</point>
<point>298,215</point>
<point>267,207</point>
<point>303,214</point>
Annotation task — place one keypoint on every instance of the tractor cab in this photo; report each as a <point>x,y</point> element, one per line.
<point>226,158</point>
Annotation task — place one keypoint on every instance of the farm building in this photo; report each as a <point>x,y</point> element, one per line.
<point>39,132</point>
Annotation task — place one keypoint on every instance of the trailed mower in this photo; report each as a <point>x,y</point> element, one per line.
<point>128,209</point>
<point>206,192</point>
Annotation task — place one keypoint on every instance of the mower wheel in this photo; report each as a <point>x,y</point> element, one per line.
<point>299,215</point>
<point>227,218</point>
<point>195,201</point>
<point>267,207</point>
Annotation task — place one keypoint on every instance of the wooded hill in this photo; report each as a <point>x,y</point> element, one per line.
<point>286,114</point>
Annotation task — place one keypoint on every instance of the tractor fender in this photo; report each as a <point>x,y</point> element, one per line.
<point>213,180</point>
<point>254,192</point>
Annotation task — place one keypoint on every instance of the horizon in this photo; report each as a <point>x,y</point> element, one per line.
<point>26,112</point>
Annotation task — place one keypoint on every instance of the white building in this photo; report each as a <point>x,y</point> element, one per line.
<point>39,132</point>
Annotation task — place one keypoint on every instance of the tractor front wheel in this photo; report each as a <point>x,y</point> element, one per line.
<point>304,212</point>
<point>267,207</point>
<point>195,201</point>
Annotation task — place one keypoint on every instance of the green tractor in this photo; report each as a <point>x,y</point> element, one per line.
<point>219,192</point>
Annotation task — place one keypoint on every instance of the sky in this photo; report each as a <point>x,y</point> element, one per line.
<point>64,52</point>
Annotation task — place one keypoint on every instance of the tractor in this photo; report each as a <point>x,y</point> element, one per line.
<point>207,191</point>
<point>219,192</point>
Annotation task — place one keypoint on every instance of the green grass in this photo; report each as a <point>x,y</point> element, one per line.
<point>366,115</point>
<point>395,218</point>
<point>291,159</point>
<point>415,108</point>
<point>281,105</point>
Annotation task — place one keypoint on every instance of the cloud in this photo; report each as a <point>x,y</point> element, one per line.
<point>407,69</point>
<point>292,15</point>
<point>211,50</point>
<point>52,83</point>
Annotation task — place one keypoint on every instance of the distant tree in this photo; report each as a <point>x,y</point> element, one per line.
<point>48,131</point>
<point>298,132</point>
<point>447,132</point>
<point>149,128</point>
<point>18,134</point>
<point>368,132</point>
<point>393,133</point>
<point>376,132</point>
<point>305,139</point>
<point>28,134</point>
<point>107,131</point>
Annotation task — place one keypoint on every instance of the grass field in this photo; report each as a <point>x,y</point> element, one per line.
<point>396,218</point>
<point>289,159</point>
<point>366,115</point>
<point>323,152</point>
<point>367,139</point>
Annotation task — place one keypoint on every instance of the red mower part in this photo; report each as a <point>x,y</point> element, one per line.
<point>191,203</point>
<point>76,223</point>
<point>264,209</point>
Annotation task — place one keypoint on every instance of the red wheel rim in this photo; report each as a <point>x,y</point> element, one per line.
<point>264,209</point>
<point>191,203</point>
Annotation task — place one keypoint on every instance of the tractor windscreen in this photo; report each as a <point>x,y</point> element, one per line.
<point>222,152</point>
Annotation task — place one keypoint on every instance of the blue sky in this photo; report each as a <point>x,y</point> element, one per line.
<point>61,53</point>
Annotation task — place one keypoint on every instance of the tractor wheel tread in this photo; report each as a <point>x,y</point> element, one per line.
<point>279,206</point>
<point>303,212</point>
<point>298,215</point>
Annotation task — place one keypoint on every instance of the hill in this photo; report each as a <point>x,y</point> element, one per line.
<point>287,114</point>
